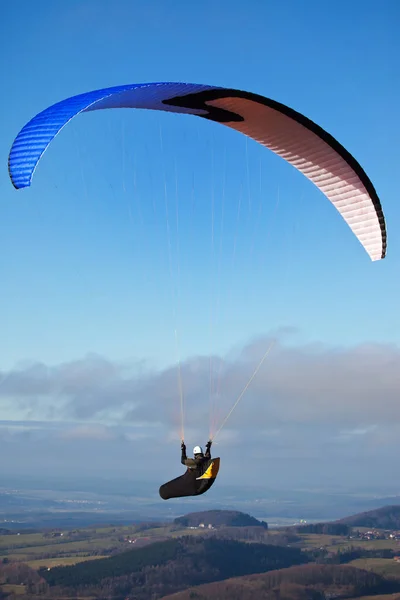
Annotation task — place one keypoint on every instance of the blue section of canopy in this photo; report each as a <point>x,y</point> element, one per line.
<point>34,138</point>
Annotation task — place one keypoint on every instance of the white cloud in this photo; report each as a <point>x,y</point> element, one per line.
<point>354,387</point>
<point>307,402</point>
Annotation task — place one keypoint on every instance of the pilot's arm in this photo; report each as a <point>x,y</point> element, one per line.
<point>183,453</point>
<point>208,450</point>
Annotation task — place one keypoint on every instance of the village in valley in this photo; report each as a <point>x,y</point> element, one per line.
<point>375,534</point>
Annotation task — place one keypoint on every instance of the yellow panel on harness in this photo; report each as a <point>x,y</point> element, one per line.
<point>212,470</point>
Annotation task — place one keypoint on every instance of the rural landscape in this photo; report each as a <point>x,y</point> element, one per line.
<point>216,554</point>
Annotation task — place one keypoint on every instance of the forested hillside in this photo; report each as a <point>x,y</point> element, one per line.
<point>387,517</point>
<point>308,582</point>
<point>219,518</point>
<point>169,566</point>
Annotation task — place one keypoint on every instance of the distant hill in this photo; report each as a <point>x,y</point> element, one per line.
<point>166,567</point>
<point>387,517</point>
<point>308,582</point>
<point>219,518</point>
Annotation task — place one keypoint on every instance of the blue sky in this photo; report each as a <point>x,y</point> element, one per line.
<point>86,263</point>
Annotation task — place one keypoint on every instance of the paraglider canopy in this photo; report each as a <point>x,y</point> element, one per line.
<point>291,135</point>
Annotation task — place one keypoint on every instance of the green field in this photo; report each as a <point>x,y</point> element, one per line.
<point>9,588</point>
<point>336,542</point>
<point>60,562</point>
<point>70,549</point>
<point>22,540</point>
<point>36,546</point>
<point>384,566</point>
